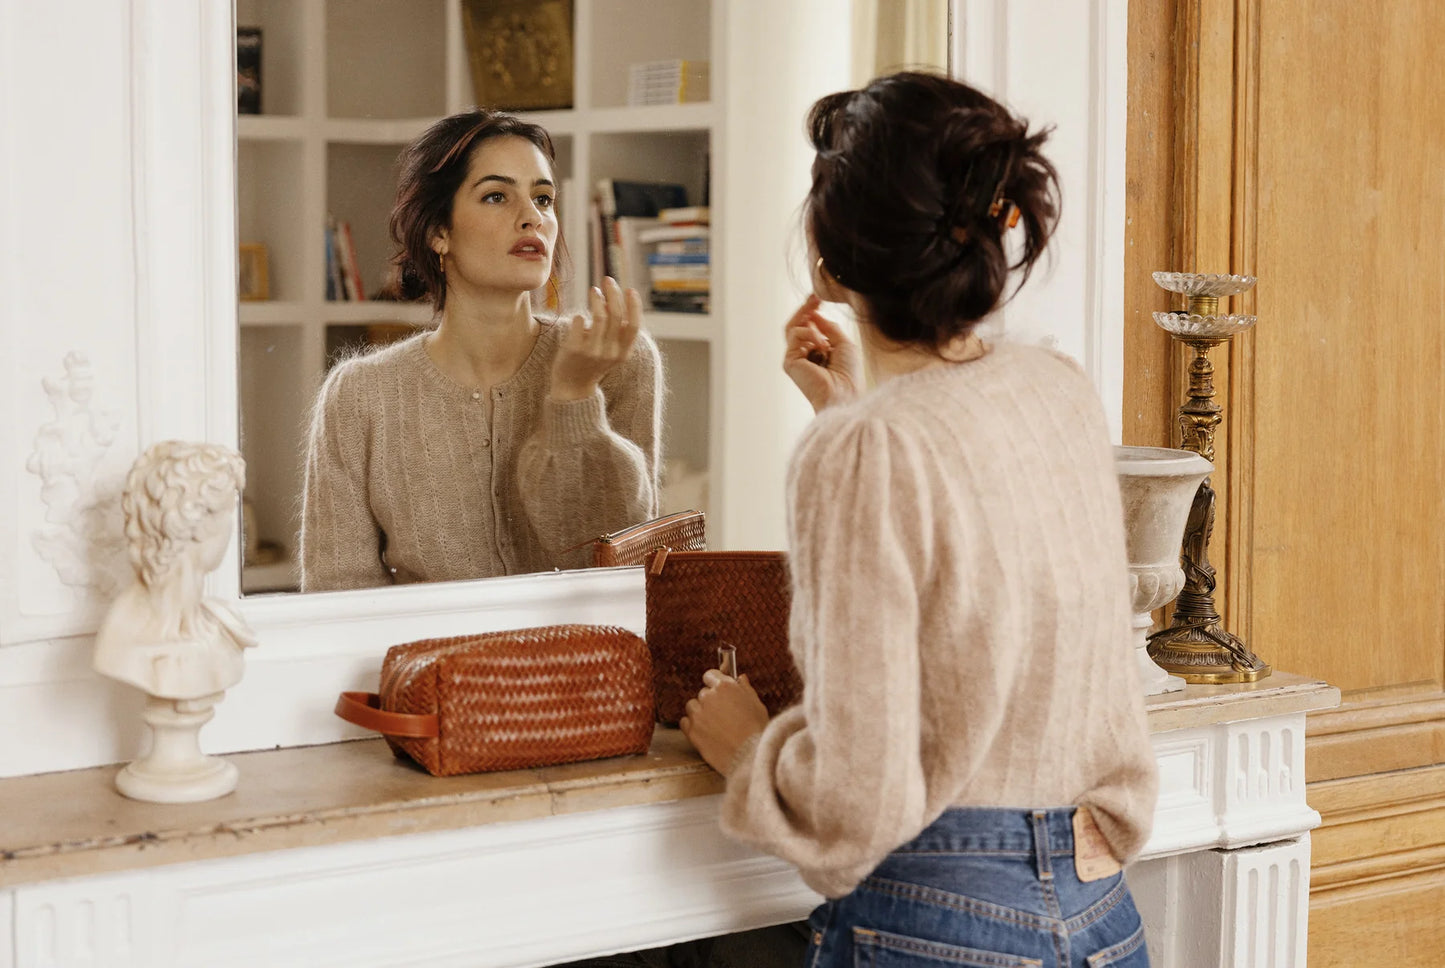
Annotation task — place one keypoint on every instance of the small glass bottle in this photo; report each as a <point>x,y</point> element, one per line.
<point>727,661</point>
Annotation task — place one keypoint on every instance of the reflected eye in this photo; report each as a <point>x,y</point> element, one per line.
<point>545,201</point>
<point>494,197</point>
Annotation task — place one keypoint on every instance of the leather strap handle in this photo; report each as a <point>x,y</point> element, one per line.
<point>364,709</point>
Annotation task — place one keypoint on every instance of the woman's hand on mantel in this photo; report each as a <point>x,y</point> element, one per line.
<point>595,344</point>
<point>821,358</point>
<point>723,717</point>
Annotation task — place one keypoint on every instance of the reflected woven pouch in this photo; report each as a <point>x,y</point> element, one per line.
<point>683,531</point>
<point>511,700</point>
<point>700,600</point>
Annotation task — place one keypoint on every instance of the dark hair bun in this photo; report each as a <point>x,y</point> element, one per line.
<point>916,181</point>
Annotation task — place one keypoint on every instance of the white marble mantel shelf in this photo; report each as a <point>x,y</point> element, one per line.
<point>60,825</point>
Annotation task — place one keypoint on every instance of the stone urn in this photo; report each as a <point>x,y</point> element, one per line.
<point>1157,486</point>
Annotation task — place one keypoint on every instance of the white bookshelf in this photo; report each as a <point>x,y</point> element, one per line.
<point>347,83</point>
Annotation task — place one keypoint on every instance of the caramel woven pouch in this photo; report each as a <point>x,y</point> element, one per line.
<point>511,700</point>
<point>700,600</point>
<point>683,531</point>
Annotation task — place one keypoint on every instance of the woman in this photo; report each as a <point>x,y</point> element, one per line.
<point>499,442</point>
<point>970,763</point>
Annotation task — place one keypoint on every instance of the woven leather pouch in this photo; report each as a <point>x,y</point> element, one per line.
<point>683,531</point>
<point>511,700</point>
<point>700,600</point>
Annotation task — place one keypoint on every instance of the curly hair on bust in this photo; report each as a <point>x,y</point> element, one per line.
<point>173,495</point>
<point>916,181</point>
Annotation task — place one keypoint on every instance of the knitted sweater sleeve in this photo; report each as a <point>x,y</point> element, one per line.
<point>837,782</point>
<point>591,467</point>
<point>340,539</point>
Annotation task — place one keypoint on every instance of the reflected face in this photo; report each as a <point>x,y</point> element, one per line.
<point>503,232</point>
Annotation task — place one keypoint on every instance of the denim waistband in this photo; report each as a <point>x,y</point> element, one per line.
<point>996,830</point>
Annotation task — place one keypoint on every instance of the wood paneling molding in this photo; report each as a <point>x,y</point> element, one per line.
<point>1373,737</point>
<point>1244,251</point>
<point>1149,229</point>
<point>1377,880</point>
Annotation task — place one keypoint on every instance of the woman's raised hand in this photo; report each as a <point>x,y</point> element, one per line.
<point>821,358</point>
<point>592,347</point>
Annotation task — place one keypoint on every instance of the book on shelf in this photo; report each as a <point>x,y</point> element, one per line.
<point>248,70</point>
<point>343,279</point>
<point>668,82</point>
<point>690,215</point>
<point>668,301</point>
<point>681,247</point>
<point>618,199</point>
<point>632,269</point>
<point>662,271</point>
<point>701,258</point>
<point>675,233</point>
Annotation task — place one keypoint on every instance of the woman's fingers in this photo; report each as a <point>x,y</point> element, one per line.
<point>597,311</point>
<point>808,308</point>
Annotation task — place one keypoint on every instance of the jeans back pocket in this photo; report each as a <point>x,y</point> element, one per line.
<point>882,949</point>
<point>1129,953</point>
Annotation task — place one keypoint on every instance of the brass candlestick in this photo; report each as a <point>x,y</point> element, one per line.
<point>1195,646</point>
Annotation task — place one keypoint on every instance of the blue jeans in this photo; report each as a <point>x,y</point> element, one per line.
<point>985,887</point>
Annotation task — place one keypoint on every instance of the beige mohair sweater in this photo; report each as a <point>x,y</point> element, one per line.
<point>960,618</point>
<point>409,477</point>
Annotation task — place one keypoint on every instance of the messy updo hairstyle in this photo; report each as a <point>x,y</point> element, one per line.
<point>916,180</point>
<point>429,172</point>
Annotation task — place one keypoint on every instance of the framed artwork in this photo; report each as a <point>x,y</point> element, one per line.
<point>520,53</point>
<point>253,280</point>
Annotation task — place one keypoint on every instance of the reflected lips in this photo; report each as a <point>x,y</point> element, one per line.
<point>530,248</point>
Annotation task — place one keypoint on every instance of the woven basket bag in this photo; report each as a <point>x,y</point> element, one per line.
<point>683,531</point>
<point>511,700</point>
<point>700,600</point>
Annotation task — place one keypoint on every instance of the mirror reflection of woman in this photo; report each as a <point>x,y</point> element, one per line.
<point>502,440</point>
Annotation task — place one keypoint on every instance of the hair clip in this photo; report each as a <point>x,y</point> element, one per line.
<point>997,210</point>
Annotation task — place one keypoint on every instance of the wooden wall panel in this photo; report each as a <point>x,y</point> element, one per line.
<point>1378,871</point>
<point>1348,574</point>
<point>1271,138</point>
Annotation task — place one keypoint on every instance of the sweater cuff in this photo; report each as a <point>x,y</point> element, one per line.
<point>573,421</point>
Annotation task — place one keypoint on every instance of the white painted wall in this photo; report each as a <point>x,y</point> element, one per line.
<point>1064,65</point>
<point>117,245</point>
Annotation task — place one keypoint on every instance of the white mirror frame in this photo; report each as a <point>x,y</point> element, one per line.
<point>156,311</point>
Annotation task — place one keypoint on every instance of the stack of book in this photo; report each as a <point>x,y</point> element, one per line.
<point>622,209</point>
<point>679,260</point>
<point>668,82</point>
<point>343,278</point>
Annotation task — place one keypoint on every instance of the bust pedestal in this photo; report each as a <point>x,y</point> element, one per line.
<point>175,770</point>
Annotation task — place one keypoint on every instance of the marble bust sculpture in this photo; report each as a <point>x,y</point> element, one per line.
<point>161,634</point>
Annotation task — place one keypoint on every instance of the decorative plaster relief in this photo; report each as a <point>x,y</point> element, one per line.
<point>83,535</point>
<point>1262,793</point>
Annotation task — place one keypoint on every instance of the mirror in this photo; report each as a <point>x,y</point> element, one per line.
<point>328,95</point>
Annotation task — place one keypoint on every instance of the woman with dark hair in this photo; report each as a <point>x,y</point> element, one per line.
<point>500,441</point>
<point>970,764</point>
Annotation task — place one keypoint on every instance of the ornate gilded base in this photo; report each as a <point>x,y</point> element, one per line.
<point>1206,655</point>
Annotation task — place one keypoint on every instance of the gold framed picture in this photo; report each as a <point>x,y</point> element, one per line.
<point>253,279</point>
<point>520,53</point>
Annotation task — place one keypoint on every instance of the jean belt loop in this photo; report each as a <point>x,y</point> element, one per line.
<point>1042,850</point>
